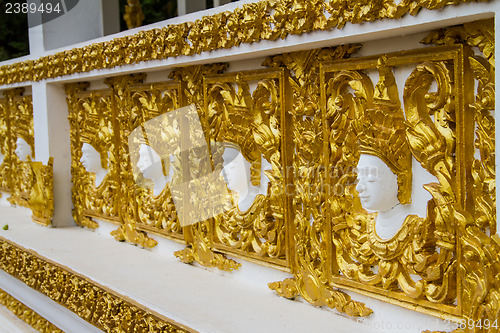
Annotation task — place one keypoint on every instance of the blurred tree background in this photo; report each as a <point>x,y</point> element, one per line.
<point>14,40</point>
<point>13,33</point>
<point>154,11</point>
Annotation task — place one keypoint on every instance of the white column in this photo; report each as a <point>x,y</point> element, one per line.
<point>88,19</point>
<point>50,115</point>
<point>181,7</point>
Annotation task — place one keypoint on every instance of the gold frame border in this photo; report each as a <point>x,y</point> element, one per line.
<point>41,277</point>
<point>253,22</point>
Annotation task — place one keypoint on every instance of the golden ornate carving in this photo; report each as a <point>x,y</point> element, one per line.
<point>195,162</point>
<point>5,146</point>
<point>479,269</point>
<point>133,14</point>
<point>92,122</point>
<point>424,262</point>
<point>124,122</point>
<point>252,122</point>
<point>304,189</point>
<point>100,307</point>
<point>41,196</point>
<point>21,120</point>
<point>30,183</point>
<point>105,119</point>
<point>155,213</point>
<point>252,22</point>
<point>26,314</point>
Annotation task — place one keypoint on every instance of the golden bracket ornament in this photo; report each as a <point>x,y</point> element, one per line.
<point>251,22</point>
<point>41,195</point>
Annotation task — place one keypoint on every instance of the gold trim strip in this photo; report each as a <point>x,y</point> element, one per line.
<point>26,314</point>
<point>94,303</point>
<point>263,20</point>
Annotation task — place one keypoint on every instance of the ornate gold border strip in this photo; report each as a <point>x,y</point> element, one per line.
<point>263,20</point>
<point>96,304</point>
<point>26,314</point>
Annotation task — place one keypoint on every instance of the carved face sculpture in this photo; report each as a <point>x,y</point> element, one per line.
<point>235,171</point>
<point>23,149</point>
<point>149,163</point>
<point>377,184</point>
<point>91,159</point>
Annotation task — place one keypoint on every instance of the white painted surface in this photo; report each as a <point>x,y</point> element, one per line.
<point>51,128</point>
<point>58,315</point>
<point>204,300</point>
<point>9,323</point>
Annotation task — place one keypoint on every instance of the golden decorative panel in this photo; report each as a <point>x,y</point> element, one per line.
<point>195,161</point>
<point>5,146</point>
<point>155,214</point>
<point>418,263</point>
<point>92,123</point>
<point>304,191</point>
<point>314,133</point>
<point>136,104</point>
<point>265,20</point>
<point>26,314</point>
<point>29,182</point>
<point>104,120</point>
<point>244,110</point>
<point>41,195</point>
<point>21,126</point>
<point>437,261</point>
<point>95,304</point>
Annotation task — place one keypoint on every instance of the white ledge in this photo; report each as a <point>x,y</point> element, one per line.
<point>204,300</point>
<point>425,20</point>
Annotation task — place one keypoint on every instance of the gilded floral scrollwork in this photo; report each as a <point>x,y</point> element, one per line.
<point>26,314</point>
<point>21,120</point>
<point>91,123</point>
<point>41,195</point>
<point>251,22</point>
<point>424,260</point>
<point>250,122</point>
<point>309,229</point>
<point>100,307</point>
<point>155,213</point>
<point>5,146</point>
<point>195,162</point>
<point>479,269</point>
<point>125,120</point>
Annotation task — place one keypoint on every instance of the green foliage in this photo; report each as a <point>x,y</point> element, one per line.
<point>14,41</point>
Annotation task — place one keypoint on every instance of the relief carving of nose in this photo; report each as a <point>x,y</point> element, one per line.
<point>360,187</point>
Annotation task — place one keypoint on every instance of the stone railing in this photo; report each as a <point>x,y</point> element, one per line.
<point>356,143</point>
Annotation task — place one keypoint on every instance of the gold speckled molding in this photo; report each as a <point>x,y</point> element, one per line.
<point>253,22</point>
<point>101,307</point>
<point>26,314</point>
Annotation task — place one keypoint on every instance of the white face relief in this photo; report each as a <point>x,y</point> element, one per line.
<point>377,184</point>
<point>149,163</point>
<point>23,149</point>
<point>91,159</point>
<point>234,171</point>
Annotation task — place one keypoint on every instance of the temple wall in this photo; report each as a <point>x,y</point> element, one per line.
<point>338,155</point>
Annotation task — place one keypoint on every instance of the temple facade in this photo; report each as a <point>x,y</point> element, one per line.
<point>273,165</point>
